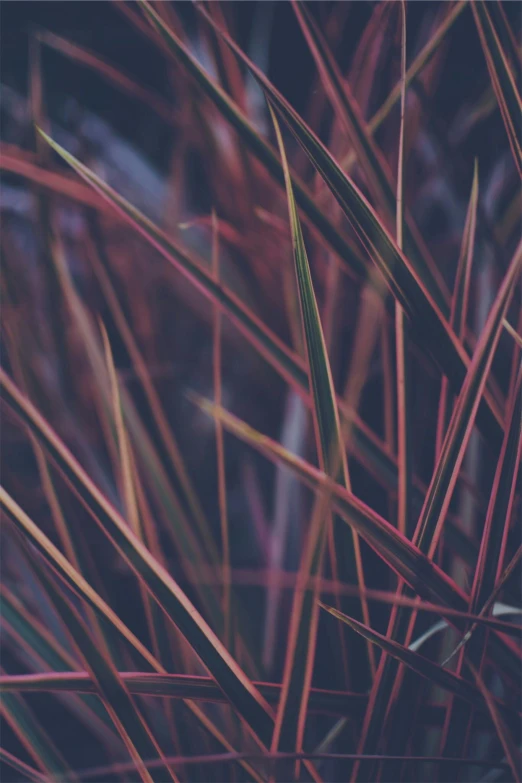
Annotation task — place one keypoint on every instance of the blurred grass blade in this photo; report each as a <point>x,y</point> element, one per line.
<point>220,446</point>
<point>123,711</point>
<point>368,153</point>
<point>110,73</point>
<point>419,664</point>
<point>441,487</point>
<point>44,650</point>
<point>430,326</point>
<point>459,301</point>
<point>20,766</point>
<point>248,702</point>
<point>404,455</point>
<point>255,142</point>
<point>34,737</point>
<point>502,78</point>
<point>263,339</point>
<point>515,335</point>
<point>425,577</point>
<point>511,750</point>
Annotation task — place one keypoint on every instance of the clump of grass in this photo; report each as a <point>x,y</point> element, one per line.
<point>262,409</point>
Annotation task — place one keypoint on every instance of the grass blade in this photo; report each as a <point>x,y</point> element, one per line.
<point>368,153</point>
<point>291,715</point>
<point>256,144</point>
<point>502,78</point>
<point>34,737</point>
<point>430,326</point>
<point>255,711</point>
<point>459,301</point>
<point>418,663</point>
<point>122,710</point>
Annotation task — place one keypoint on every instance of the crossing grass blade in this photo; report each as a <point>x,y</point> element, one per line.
<point>284,361</point>
<point>74,580</point>
<point>502,78</point>
<point>368,153</point>
<point>33,737</point>
<point>254,710</point>
<point>402,278</point>
<point>433,514</point>
<point>421,665</point>
<point>459,716</point>
<point>254,141</point>
<point>119,704</point>
<point>511,750</point>
<point>425,577</point>
<point>291,714</point>
<point>20,766</point>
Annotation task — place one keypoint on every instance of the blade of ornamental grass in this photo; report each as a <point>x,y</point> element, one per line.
<point>117,700</point>
<point>20,766</point>
<point>100,262</point>
<point>404,455</point>
<point>511,750</point>
<point>301,643</point>
<point>458,718</point>
<point>284,361</point>
<point>34,738</point>
<point>44,650</point>
<point>436,503</point>
<point>424,576</point>
<point>368,153</point>
<point>220,447</point>
<point>421,665</point>
<point>73,579</point>
<point>502,78</point>
<point>254,141</point>
<point>254,710</point>
<point>459,301</point>
<point>430,326</point>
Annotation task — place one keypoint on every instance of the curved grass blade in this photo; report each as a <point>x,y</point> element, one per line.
<point>256,713</point>
<point>502,78</point>
<point>420,664</point>
<point>430,326</point>
<point>45,651</point>
<point>255,142</point>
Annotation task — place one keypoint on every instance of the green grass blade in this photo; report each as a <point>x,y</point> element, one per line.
<point>245,698</point>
